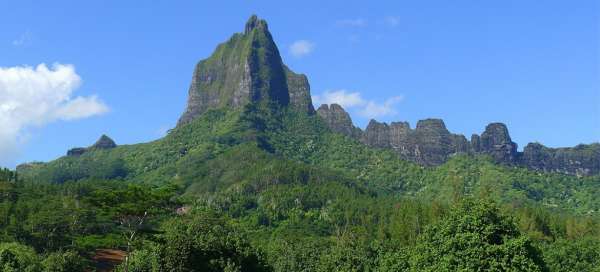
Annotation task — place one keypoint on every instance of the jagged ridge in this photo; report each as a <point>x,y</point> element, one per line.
<point>430,144</point>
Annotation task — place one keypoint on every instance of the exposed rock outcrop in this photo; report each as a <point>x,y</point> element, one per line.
<point>77,151</point>
<point>400,137</point>
<point>581,160</point>
<point>430,144</point>
<point>338,120</point>
<point>496,142</point>
<point>434,142</point>
<point>299,91</point>
<point>377,135</point>
<point>104,142</point>
<point>475,143</point>
<point>246,69</point>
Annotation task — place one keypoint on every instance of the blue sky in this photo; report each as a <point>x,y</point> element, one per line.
<point>533,66</point>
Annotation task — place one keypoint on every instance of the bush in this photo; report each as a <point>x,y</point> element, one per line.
<point>64,261</point>
<point>475,237</point>
<point>15,257</point>
<point>144,260</point>
<point>206,242</point>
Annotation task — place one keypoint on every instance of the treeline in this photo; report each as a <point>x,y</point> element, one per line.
<point>7,175</point>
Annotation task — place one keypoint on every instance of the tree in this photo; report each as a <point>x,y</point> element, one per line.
<point>142,260</point>
<point>132,207</point>
<point>573,255</point>
<point>207,242</point>
<point>475,237</point>
<point>64,261</point>
<point>15,257</point>
<point>349,254</point>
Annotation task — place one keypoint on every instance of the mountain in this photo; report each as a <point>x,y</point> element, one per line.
<point>249,118</point>
<point>253,177</point>
<point>431,144</point>
<point>104,142</point>
<point>245,69</point>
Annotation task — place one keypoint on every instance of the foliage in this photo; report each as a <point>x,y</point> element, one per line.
<point>16,257</point>
<point>475,237</point>
<point>572,256</point>
<point>64,261</point>
<point>143,260</point>
<point>348,255</point>
<point>205,242</point>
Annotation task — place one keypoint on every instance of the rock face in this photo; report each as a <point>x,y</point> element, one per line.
<point>338,120</point>
<point>475,143</point>
<point>299,91</point>
<point>377,135</point>
<point>104,142</point>
<point>581,160</point>
<point>77,151</point>
<point>246,69</point>
<point>430,144</point>
<point>434,143</point>
<point>496,142</point>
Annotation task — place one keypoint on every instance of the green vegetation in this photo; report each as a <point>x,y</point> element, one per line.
<point>270,189</point>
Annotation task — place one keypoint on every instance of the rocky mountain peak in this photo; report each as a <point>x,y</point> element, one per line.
<point>494,134</point>
<point>431,124</point>
<point>246,69</point>
<point>496,141</point>
<point>104,142</point>
<point>253,23</point>
<point>377,134</point>
<point>338,120</point>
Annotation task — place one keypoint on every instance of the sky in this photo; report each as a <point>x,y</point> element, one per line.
<point>71,71</point>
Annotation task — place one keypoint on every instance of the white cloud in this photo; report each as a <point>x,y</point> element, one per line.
<point>358,22</point>
<point>80,107</point>
<point>32,97</point>
<point>392,21</point>
<point>354,101</point>
<point>344,98</point>
<point>24,39</point>
<point>301,48</point>
<point>373,110</point>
